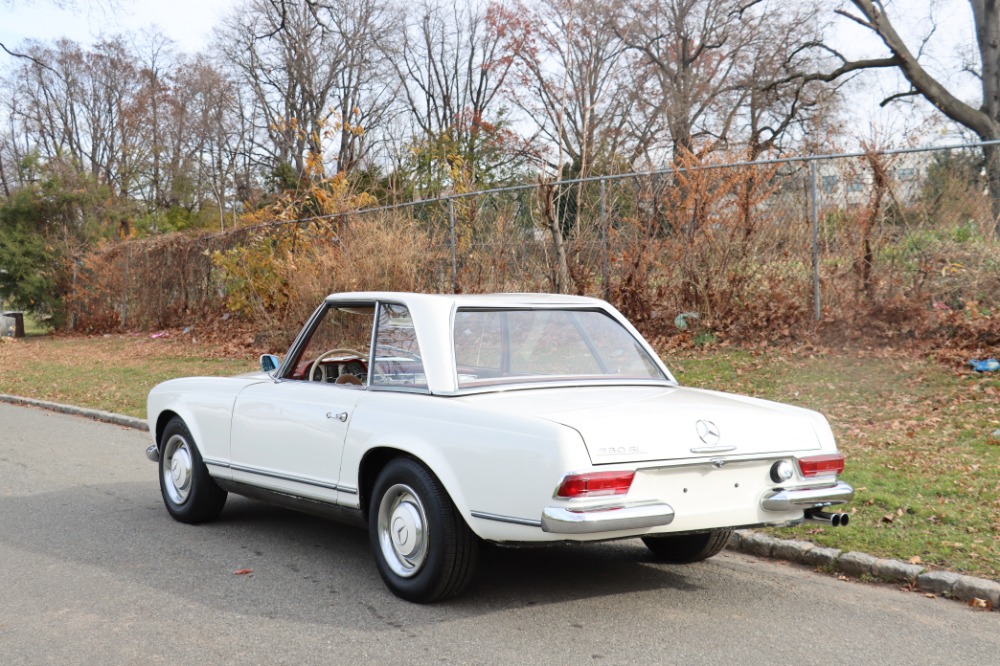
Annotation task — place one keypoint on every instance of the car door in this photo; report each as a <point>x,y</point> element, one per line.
<point>288,435</point>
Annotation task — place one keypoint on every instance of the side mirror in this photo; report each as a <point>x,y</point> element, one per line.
<point>269,363</point>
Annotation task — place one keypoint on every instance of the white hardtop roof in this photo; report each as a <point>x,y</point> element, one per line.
<point>432,316</point>
<point>470,300</point>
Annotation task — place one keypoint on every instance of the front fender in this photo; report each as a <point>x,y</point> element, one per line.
<point>206,406</point>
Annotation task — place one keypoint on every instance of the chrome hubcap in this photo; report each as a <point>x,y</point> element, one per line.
<point>177,469</point>
<point>402,530</point>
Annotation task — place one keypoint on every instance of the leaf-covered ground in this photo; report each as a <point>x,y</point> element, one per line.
<point>917,430</point>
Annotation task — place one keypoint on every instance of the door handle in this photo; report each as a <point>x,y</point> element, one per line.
<point>342,416</point>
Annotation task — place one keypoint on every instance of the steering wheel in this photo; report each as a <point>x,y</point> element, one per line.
<point>331,352</point>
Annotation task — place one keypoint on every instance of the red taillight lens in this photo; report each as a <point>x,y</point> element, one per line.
<point>832,463</point>
<point>595,484</point>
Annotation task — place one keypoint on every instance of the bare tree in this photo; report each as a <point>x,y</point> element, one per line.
<point>694,49</point>
<point>84,106</point>
<point>983,120</point>
<point>205,137</point>
<point>365,85</point>
<point>451,66</point>
<point>573,79</point>
<point>156,53</point>
<point>313,70</point>
<point>283,57</point>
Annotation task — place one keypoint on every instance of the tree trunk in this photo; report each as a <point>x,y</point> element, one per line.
<point>560,273</point>
<point>992,153</point>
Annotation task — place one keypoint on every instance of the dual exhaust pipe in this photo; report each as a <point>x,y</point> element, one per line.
<point>831,519</point>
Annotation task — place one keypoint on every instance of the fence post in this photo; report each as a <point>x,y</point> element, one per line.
<point>128,256</point>
<point>815,240</point>
<point>454,260</point>
<point>604,240</point>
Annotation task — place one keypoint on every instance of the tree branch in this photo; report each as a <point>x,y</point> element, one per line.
<point>26,56</point>
<point>846,68</point>
<point>892,98</point>
<point>929,87</point>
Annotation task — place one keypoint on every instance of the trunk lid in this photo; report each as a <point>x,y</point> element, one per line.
<point>626,424</point>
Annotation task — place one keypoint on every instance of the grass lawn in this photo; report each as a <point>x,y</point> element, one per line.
<point>917,433</point>
<point>113,373</point>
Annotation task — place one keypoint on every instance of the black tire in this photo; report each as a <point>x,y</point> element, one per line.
<point>188,490</point>
<point>423,549</point>
<point>687,548</point>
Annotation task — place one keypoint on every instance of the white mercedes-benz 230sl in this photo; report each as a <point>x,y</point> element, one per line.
<point>438,421</point>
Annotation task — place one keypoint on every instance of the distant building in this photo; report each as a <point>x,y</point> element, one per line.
<point>848,181</point>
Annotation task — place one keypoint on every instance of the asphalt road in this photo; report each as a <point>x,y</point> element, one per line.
<point>94,571</point>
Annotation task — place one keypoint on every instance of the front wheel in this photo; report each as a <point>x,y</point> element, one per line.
<point>686,548</point>
<point>189,493</point>
<point>423,549</point>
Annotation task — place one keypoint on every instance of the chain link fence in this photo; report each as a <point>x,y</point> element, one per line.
<point>767,248</point>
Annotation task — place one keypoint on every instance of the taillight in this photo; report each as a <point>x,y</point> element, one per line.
<point>832,463</point>
<point>595,484</point>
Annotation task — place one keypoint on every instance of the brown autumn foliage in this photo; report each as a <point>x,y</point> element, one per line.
<point>730,248</point>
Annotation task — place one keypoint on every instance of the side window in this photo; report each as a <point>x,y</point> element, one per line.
<point>337,350</point>
<point>397,361</point>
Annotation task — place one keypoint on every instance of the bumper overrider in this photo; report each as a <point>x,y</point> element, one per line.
<point>642,515</point>
<point>606,518</point>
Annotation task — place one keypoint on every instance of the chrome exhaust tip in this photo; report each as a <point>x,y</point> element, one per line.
<point>153,453</point>
<point>831,519</point>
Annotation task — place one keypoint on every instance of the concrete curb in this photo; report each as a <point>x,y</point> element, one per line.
<point>943,583</point>
<point>96,414</point>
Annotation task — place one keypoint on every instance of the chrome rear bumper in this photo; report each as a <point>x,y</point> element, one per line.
<point>606,518</point>
<point>807,498</point>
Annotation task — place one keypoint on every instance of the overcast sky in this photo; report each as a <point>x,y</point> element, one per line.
<point>187,22</point>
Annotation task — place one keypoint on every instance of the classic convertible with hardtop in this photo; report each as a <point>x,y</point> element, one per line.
<point>439,421</point>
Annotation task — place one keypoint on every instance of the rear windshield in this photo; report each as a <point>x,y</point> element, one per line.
<point>502,346</point>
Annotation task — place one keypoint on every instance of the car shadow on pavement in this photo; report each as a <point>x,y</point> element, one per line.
<point>271,562</point>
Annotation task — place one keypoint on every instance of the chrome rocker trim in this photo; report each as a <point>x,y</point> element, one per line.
<point>807,498</point>
<point>606,518</point>
<point>505,519</point>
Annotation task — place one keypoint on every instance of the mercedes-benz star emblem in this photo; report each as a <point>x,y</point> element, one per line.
<point>708,432</point>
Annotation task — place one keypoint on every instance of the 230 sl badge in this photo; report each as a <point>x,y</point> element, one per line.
<point>620,451</point>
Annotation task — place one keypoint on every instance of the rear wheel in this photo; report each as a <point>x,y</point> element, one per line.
<point>423,549</point>
<point>686,548</point>
<point>189,493</point>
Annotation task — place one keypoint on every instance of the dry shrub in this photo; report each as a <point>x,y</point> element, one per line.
<point>147,284</point>
<point>777,309</point>
<point>707,241</point>
<point>638,285</point>
<point>373,253</point>
<point>276,278</point>
<point>502,253</point>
